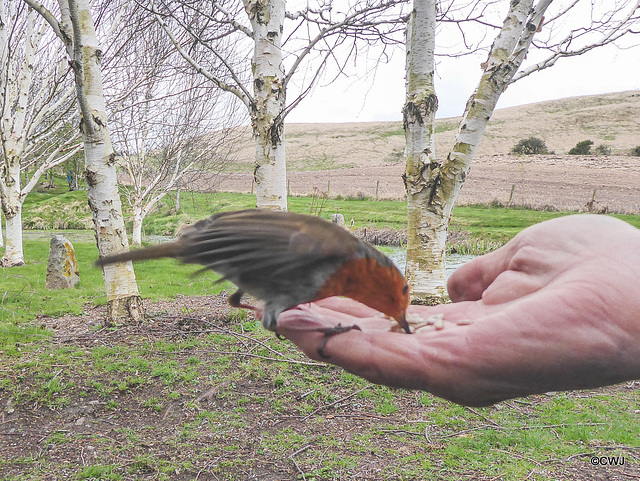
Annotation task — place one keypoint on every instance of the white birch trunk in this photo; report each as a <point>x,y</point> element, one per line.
<point>13,137</point>
<point>425,234</point>
<point>136,234</point>
<point>13,253</point>
<point>439,183</point>
<point>12,209</point>
<point>123,300</point>
<point>25,119</point>
<point>140,211</point>
<point>267,18</point>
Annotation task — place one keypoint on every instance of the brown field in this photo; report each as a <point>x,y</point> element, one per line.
<point>564,182</point>
<point>354,159</point>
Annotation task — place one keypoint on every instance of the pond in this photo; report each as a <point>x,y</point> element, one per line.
<point>453,261</point>
<point>397,254</point>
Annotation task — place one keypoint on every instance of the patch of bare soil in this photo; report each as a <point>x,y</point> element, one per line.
<point>164,401</point>
<point>562,182</point>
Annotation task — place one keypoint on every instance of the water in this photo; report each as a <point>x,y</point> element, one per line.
<point>398,255</point>
<point>453,261</point>
<point>77,235</point>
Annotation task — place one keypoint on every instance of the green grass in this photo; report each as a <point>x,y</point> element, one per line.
<point>23,296</point>
<point>143,385</point>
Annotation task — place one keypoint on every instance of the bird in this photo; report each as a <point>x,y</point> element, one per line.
<point>286,259</point>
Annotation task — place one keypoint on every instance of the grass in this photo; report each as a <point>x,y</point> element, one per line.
<point>23,295</point>
<point>128,403</point>
<point>262,416</point>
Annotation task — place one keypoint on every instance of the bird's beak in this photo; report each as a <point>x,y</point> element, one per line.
<point>402,320</point>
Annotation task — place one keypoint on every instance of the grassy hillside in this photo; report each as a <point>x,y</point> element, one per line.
<point>612,119</point>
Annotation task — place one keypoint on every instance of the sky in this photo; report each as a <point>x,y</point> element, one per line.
<point>380,97</point>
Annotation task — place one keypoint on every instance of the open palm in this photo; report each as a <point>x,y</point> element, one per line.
<point>556,308</point>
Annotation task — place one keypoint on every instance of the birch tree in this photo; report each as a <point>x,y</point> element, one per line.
<point>277,44</point>
<point>77,31</point>
<point>36,107</point>
<point>167,121</point>
<point>173,128</point>
<point>433,185</point>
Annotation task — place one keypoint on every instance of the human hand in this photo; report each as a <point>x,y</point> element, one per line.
<point>556,308</point>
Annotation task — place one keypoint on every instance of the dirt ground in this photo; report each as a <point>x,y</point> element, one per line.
<point>163,430</point>
<point>563,182</point>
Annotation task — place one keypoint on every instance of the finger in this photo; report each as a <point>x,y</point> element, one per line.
<point>347,306</point>
<point>437,363</point>
<point>306,317</point>
<point>469,281</point>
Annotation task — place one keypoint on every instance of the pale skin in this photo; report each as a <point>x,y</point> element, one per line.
<point>556,308</point>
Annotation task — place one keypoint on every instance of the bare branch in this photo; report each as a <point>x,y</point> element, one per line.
<point>239,91</point>
<point>606,27</point>
<point>49,18</point>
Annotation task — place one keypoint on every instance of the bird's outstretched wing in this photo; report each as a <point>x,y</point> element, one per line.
<point>265,253</point>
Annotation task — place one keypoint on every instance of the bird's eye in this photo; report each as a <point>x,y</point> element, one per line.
<point>405,289</point>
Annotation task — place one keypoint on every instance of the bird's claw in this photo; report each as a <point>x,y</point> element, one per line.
<point>330,332</point>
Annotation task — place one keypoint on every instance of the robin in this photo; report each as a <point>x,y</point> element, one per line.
<point>286,259</point>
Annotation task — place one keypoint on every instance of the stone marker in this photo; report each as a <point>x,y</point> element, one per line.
<point>62,269</point>
<point>338,219</point>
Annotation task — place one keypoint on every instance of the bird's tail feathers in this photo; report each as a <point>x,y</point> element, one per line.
<point>169,249</point>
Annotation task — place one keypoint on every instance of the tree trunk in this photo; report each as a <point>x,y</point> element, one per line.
<point>427,227</point>
<point>123,300</point>
<point>12,126</point>
<point>267,18</point>
<point>13,254</point>
<point>136,232</point>
<point>12,209</point>
<point>439,183</point>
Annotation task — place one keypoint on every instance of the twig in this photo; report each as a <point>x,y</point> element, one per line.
<point>480,415</point>
<point>404,431</point>
<point>301,450</point>
<point>284,359</point>
<point>518,428</point>
<point>335,402</point>
<point>628,475</point>
<point>298,468</point>
<point>511,453</point>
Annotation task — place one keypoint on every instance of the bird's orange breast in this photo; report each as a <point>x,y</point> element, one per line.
<point>365,280</point>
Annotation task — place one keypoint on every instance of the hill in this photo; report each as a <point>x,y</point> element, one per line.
<point>612,119</point>
<point>365,159</point>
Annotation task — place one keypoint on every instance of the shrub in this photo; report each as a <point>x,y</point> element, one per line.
<point>582,148</point>
<point>636,151</point>
<point>532,145</point>
<point>603,149</point>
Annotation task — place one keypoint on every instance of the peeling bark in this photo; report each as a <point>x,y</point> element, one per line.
<point>426,228</point>
<point>432,187</point>
<point>267,18</point>
<point>123,301</point>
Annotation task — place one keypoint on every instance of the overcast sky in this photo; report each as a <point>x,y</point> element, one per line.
<point>380,97</point>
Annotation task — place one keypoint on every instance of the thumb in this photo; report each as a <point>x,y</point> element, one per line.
<point>469,281</point>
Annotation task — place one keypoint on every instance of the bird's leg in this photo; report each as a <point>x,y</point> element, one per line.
<point>330,332</point>
<point>234,301</point>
